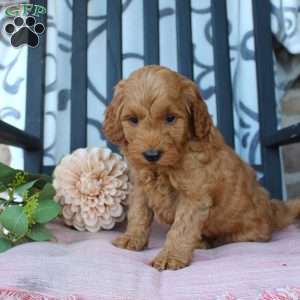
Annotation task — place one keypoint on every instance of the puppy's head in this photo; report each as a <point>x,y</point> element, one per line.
<point>153,114</point>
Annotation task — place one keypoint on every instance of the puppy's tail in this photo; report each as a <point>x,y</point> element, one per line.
<point>285,213</point>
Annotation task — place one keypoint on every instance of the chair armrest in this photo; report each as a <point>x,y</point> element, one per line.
<point>285,136</point>
<point>13,136</point>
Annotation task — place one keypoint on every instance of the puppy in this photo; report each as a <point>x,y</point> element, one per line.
<point>183,173</point>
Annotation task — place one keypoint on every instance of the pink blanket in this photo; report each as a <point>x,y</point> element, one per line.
<point>86,266</point>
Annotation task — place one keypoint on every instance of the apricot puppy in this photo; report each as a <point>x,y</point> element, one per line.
<point>183,173</point>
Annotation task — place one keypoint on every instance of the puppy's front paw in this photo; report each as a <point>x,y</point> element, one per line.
<point>167,261</point>
<point>130,242</point>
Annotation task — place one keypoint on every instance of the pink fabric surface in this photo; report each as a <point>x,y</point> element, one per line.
<point>87,266</point>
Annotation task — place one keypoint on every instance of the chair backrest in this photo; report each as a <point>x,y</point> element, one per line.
<point>270,139</point>
<point>265,77</point>
<point>34,121</point>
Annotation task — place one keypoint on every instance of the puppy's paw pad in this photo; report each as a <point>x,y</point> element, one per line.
<point>168,262</point>
<point>129,242</point>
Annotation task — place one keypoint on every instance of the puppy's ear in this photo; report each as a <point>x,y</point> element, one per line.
<point>112,126</point>
<point>200,118</point>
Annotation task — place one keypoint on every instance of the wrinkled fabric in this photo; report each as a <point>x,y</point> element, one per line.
<point>87,265</point>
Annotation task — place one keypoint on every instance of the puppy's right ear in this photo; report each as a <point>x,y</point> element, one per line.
<point>112,126</point>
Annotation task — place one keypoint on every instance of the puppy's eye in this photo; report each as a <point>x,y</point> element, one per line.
<point>133,120</point>
<point>170,119</point>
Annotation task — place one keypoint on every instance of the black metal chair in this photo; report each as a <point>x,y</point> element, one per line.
<point>32,138</point>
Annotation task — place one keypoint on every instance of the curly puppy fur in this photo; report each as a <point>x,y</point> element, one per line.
<point>199,185</point>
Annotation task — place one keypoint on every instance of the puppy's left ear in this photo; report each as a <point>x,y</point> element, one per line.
<point>112,126</point>
<point>201,120</point>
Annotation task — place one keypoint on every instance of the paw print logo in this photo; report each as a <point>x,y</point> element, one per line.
<point>24,31</point>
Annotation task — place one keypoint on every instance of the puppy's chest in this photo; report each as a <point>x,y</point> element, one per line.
<point>162,198</point>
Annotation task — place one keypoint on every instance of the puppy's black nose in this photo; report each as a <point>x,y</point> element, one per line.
<point>152,155</point>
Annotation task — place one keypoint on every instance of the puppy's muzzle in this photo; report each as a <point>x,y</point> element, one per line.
<point>152,155</point>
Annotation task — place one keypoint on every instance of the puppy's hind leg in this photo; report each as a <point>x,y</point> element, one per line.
<point>254,233</point>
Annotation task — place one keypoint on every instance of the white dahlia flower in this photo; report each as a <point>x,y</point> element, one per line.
<point>92,187</point>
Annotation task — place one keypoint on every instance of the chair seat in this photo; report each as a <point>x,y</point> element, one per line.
<point>87,266</point>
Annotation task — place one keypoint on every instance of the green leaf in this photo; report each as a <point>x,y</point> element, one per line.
<point>7,171</point>
<point>39,233</point>
<point>47,192</point>
<point>46,211</point>
<point>7,174</point>
<point>41,177</point>
<point>14,219</point>
<point>3,188</point>
<point>5,245</point>
<point>20,190</point>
